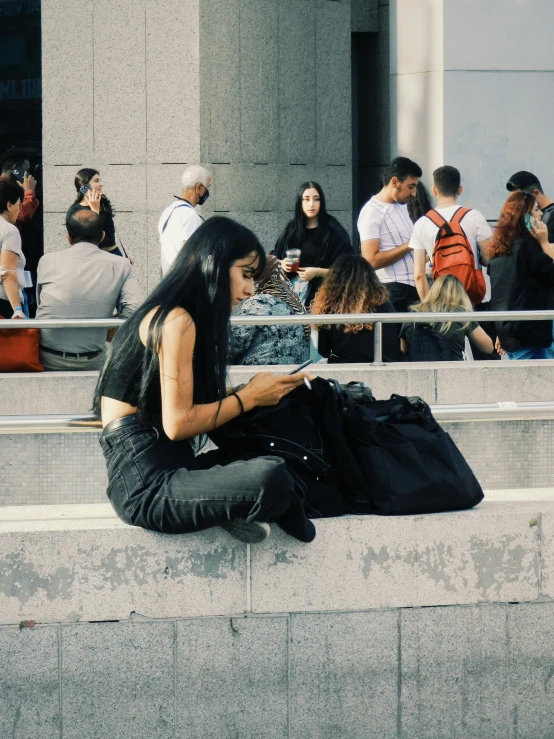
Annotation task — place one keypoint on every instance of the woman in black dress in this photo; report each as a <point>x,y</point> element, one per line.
<point>88,184</point>
<point>320,238</point>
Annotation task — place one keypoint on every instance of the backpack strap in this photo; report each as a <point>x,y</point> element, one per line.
<point>436,218</point>
<point>181,205</point>
<point>459,215</point>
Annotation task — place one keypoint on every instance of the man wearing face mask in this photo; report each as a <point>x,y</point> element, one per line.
<point>180,220</point>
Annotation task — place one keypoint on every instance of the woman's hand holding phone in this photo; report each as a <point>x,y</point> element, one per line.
<point>266,389</point>
<point>539,231</point>
<point>93,200</point>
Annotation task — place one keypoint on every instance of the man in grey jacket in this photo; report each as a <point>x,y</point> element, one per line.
<point>82,282</point>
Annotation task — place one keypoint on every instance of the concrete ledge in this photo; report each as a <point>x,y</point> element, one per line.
<point>60,563</point>
<point>436,382</point>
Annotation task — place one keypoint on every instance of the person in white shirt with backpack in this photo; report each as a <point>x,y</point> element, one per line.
<point>447,189</point>
<point>181,219</point>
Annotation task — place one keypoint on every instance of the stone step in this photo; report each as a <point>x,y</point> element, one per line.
<point>60,468</point>
<point>436,382</point>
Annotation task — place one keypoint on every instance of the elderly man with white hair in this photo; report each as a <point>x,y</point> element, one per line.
<point>180,220</point>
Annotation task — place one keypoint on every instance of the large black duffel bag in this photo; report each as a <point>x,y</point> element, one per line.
<point>411,465</point>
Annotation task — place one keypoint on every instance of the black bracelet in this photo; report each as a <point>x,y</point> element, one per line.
<point>239,400</point>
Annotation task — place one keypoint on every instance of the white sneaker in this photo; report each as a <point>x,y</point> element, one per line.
<point>249,533</point>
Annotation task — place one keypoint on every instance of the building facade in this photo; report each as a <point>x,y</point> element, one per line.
<point>271,93</point>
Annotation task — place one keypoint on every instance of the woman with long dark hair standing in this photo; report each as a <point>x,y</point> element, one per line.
<point>89,186</point>
<point>317,235</point>
<point>521,268</point>
<point>164,383</point>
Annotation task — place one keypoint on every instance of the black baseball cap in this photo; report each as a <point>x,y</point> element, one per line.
<point>522,181</point>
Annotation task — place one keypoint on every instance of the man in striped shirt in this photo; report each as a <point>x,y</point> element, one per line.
<point>385,229</point>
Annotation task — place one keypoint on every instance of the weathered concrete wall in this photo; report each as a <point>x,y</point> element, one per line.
<point>216,640</point>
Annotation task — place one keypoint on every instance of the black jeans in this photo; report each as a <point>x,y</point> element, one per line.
<point>402,296</point>
<point>160,485</point>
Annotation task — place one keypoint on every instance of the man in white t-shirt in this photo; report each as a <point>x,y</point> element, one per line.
<point>180,220</point>
<point>447,189</point>
<point>385,230</point>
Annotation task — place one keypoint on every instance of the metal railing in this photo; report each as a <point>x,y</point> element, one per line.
<point>377,319</point>
<point>87,423</point>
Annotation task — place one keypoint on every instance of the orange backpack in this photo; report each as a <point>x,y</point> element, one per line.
<point>453,255</point>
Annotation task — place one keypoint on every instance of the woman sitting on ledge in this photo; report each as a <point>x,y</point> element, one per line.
<point>163,384</point>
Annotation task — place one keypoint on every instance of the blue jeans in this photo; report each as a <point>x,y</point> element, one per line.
<point>534,352</point>
<point>159,484</point>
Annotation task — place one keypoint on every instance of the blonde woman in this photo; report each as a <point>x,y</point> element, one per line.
<point>446,295</point>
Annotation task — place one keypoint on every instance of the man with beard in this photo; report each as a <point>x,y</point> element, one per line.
<point>385,229</point>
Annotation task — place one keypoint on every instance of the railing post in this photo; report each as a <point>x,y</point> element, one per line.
<point>377,343</point>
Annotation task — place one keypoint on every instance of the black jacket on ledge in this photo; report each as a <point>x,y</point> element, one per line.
<point>523,280</point>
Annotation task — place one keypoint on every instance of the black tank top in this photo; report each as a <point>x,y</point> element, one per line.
<point>124,384</point>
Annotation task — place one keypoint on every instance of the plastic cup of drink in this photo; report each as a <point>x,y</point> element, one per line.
<point>293,255</point>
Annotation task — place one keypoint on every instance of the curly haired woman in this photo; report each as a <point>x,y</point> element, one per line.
<point>352,287</point>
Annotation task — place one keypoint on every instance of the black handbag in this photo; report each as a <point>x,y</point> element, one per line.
<point>411,465</point>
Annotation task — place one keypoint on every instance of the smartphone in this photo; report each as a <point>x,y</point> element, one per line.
<point>529,221</point>
<point>85,189</point>
<point>300,367</point>
<point>19,175</point>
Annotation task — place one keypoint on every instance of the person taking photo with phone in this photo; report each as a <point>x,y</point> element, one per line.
<point>89,186</point>
<point>15,169</point>
<point>521,268</point>
<point>163,385</point>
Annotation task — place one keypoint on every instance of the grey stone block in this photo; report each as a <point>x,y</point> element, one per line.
<point>259,81</point>
<point>118,680</point>
<point>131,228</point>
<point>55,232</point>
<point>492,382</point>
<point>173,97</point>
<point>547,554</point>
<point>365,16</point>
<point>453,673</point>
<point>297,93</point>
<point>46,392</point>
<point>29,683</point>
<point>67,97</point>
<point>154,252</point>
<point>344,671</point>
<point>125,186</point>
<point>246,188</point>
<point>333,83</point>
<point>483,555</point>
<point>52,468</point>
<point>119,82</point>
<point>232,678</point>
<point>59,189</point>
<point>267,226</point>
<point>530,670</point>
<point>219,81</point>
<point>103,570</point>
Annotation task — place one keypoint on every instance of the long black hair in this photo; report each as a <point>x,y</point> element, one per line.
<point>295,231</point>
<point>83,177</point>
<point>199,282</point>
